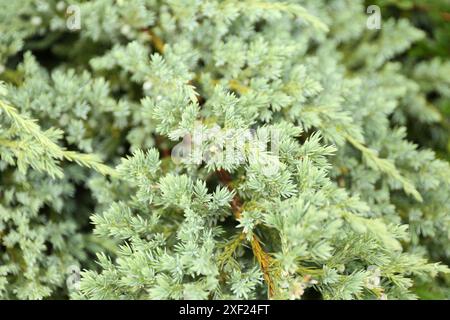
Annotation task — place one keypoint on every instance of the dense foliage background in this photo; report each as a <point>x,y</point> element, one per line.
<point>433,18</point>
<point>89,117</point>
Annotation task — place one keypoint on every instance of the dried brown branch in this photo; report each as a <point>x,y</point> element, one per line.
<point>263,258</point>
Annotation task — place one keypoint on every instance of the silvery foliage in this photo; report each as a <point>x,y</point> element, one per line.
<point>302,178</point>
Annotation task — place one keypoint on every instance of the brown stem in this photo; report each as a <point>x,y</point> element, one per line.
<point>265,262</point>
<point>263,258</point>
<point>157,42</point>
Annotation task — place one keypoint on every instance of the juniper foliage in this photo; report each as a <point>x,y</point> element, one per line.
<point>347,208</point>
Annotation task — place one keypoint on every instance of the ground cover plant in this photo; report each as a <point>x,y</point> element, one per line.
<point>232,149</point>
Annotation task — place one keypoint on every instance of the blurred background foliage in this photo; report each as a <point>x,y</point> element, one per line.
<point>433,17</point>
<point>433,52</point>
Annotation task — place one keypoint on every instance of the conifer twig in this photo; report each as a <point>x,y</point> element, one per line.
<point>31,127</point>
<point>386,166</point>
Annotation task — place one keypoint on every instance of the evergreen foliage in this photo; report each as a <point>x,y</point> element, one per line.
<point>114,141</point>
<point>427,63</point>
